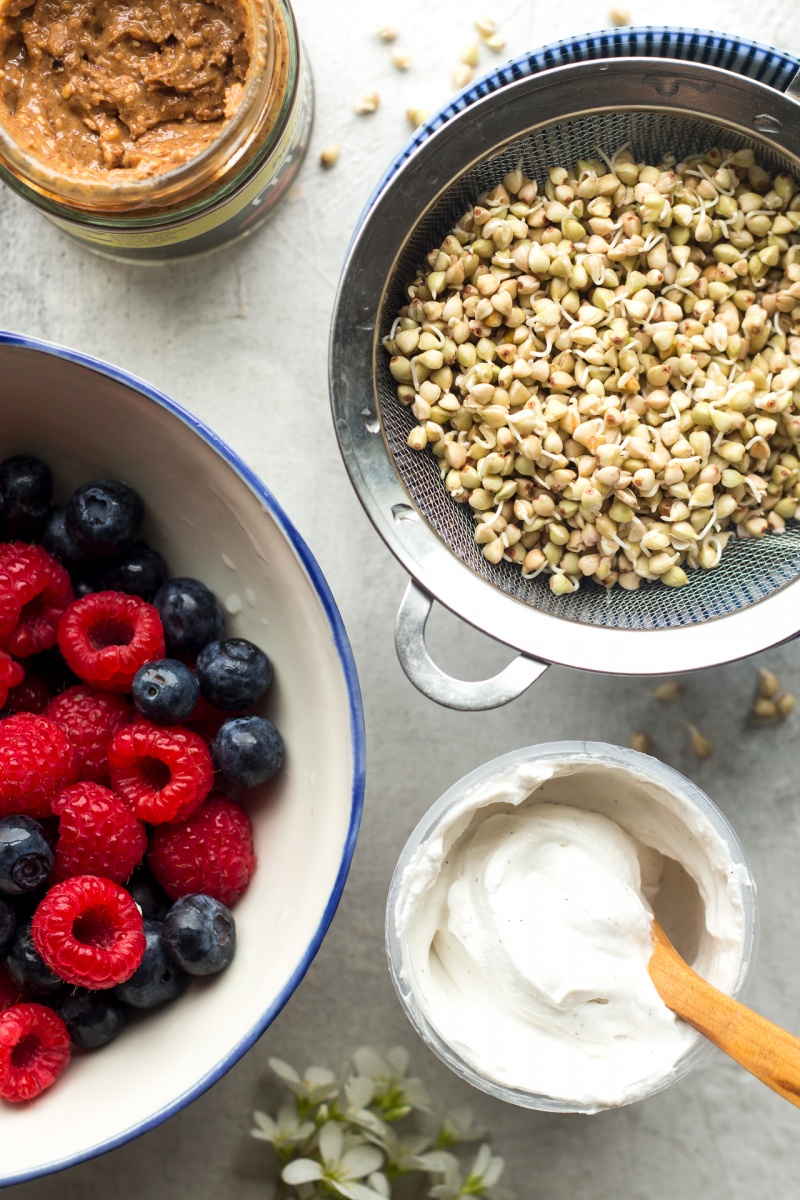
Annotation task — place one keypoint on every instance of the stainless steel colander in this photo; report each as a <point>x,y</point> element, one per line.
<point>660,91</point>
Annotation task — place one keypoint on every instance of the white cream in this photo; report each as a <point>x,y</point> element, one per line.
<point>524,923</point>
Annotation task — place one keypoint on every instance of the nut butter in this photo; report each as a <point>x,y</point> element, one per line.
<point>152,129</point>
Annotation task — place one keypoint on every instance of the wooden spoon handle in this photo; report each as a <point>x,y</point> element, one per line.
<point>763,1049</point>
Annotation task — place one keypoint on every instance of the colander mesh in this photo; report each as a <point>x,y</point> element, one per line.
<point>749,570</point>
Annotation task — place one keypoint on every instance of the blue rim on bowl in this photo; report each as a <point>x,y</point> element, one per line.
<point>742,56</point>
<point>356,720</point>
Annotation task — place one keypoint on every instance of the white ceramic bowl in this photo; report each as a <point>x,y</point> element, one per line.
<point>211,518</point>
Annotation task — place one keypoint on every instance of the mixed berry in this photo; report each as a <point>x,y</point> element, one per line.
<point>165,691</point>
<point>124,720</point>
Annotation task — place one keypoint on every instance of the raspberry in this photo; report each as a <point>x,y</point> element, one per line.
<point>36,761</point>
<point>31,696</point>
<point>90,718</point>
<point>163,773</point>
<point>11,674</point>
<point>34,1049</point>
<point>105,637</point>
<point>10,606</point>
<point>42,589</point>
<point>89,931</point>
<point>98,834</point>
<point>10,993</point>
<point>212,853</point>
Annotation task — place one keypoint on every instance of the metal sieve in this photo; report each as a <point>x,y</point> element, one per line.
<point>659,90</point>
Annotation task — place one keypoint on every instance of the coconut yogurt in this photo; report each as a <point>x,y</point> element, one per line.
<point>522,922</point>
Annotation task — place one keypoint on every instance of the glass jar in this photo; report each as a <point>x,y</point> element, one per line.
<point>223,193</point>
<point>673,798</point>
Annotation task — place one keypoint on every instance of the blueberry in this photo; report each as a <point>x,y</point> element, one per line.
<point>233,674</point>
<point>190,613</point>
<point>153,901</point>
<point>104,517</point>
<point>158,978</point>
<point>25,856</point>
<point>247,751</point>
<point>93,1018</point>
<point>8,921</point>
<point>26,966</point>
<point>165,691</point>
<point>200,934</point>
<point>56,538</point>
<point>141,571</point>
<point>27,487</point>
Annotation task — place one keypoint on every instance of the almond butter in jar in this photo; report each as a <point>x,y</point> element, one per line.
<point>151,130</point>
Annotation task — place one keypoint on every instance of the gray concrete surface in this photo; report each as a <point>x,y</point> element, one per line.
<point>241,340</point>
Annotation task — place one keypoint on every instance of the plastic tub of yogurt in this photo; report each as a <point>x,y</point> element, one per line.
<point>519,918</point>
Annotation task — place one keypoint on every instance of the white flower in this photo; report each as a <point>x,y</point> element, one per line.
<point>395,1094</point>
<point>285,1133</point>
<point>392,1065</point>
<point>340,1127</point>
<point>487,1167</point>
<point>480,1181</point>
<point>317,1085</point>
<point>379,1183</point>
<point>458,1125</point>
<point>442,1162</point>
<point>344,1162</point>
<point>356,1094</point>
<point>359,1090</point>
<point>406,1153</point>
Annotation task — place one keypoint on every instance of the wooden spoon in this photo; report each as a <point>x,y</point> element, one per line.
<point>763,1049</point>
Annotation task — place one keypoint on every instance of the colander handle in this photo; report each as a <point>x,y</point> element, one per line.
<point>462,694</point>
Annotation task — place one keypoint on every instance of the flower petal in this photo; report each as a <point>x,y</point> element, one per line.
<point>267,1129</point>
<point>360,1091</point>
<point>330,1143</point>
<point>494,1170</point>
<point>415,1145</point>
<point>367,1120</point>
<point>459,1123</point>
<point>379,1183</point>
<point>342,1188</point>
<point>283,1070</point>
<point>319,1077</point>
<point>398,1056</point>
<point>482,1159</point>
<point>370,1063</point>
<point>302,1170</point>
<point>361,1161</point>
<point>356,1191</point>
<point>441,1162</point>
<point>416,1094</point>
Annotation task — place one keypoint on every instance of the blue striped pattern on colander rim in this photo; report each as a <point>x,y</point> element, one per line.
<point>739,55</point>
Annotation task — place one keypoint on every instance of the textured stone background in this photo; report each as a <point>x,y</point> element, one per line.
<point>241,340</point>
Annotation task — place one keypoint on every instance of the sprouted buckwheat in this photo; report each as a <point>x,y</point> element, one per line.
<point>608,370</point>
